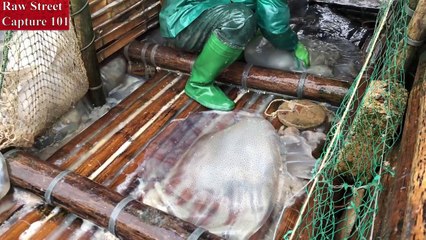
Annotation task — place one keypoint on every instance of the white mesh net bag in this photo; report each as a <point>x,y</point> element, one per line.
<point>42,76</point>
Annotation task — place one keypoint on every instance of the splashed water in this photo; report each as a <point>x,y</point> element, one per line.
<point>335,58</point>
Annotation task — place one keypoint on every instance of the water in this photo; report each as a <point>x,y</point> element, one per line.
<point>117,85</point>
<point>375,4</point>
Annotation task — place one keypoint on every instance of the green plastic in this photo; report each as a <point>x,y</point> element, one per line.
<point>272,16</point>
<point>302,54</point>
<point>214,57</point>
<point>235,24</point>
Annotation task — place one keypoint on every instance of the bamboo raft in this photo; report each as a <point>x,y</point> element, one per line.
<point>101,158</point>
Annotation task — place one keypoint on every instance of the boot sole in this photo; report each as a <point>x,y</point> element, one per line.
<point>206,105</point>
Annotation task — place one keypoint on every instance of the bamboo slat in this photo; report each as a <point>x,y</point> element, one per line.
<point>312,87</point>
<point>117,7</point>
<point>126,38</point>
<point>118,22</point>
<point>101,123</point>
<point>109,33</point>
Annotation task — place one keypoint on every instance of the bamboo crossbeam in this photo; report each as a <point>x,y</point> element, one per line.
<point>281,82</point>
<point>96,203</point>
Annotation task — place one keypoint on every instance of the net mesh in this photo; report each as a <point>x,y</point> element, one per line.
<point>341,201</point>
<point>42,76</point>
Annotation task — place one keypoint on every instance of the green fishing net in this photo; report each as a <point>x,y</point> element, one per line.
<point>342,198</point>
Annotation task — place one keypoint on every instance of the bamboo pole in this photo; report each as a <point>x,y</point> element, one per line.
<point>415,220</point>
<point>86,36</point>
<point>96,203</point>
<point>402,218</point>
<point>294,84</point>
<point>416,32</point>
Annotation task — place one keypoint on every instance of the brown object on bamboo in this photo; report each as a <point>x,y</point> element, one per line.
<point>294,84</point>
<point>96,203</point>
<point>86,37</point>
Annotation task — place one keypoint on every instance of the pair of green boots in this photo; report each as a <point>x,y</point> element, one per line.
<point>213,59</point>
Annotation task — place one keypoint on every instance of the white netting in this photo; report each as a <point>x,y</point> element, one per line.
<point>42,76</point>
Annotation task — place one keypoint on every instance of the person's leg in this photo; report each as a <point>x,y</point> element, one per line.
<point>220,33</point>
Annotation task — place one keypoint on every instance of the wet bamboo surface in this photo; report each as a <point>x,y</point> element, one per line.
<point>111,150</point>
<point>289,83</point>
<point>96,203</point>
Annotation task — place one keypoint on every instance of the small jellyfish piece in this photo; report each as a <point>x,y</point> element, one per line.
<point>226,182</point>
<point>4,177</point>
<point>297,151</point>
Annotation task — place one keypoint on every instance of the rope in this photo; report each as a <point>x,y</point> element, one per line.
<point>301,84</point>
<point>81,9</point>
<point>114,214</point>
<point>196,234</point>
<point>52,185</point>
<point>245,74</point>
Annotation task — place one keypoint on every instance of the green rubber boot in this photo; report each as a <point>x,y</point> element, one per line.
<point>213,59</point>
